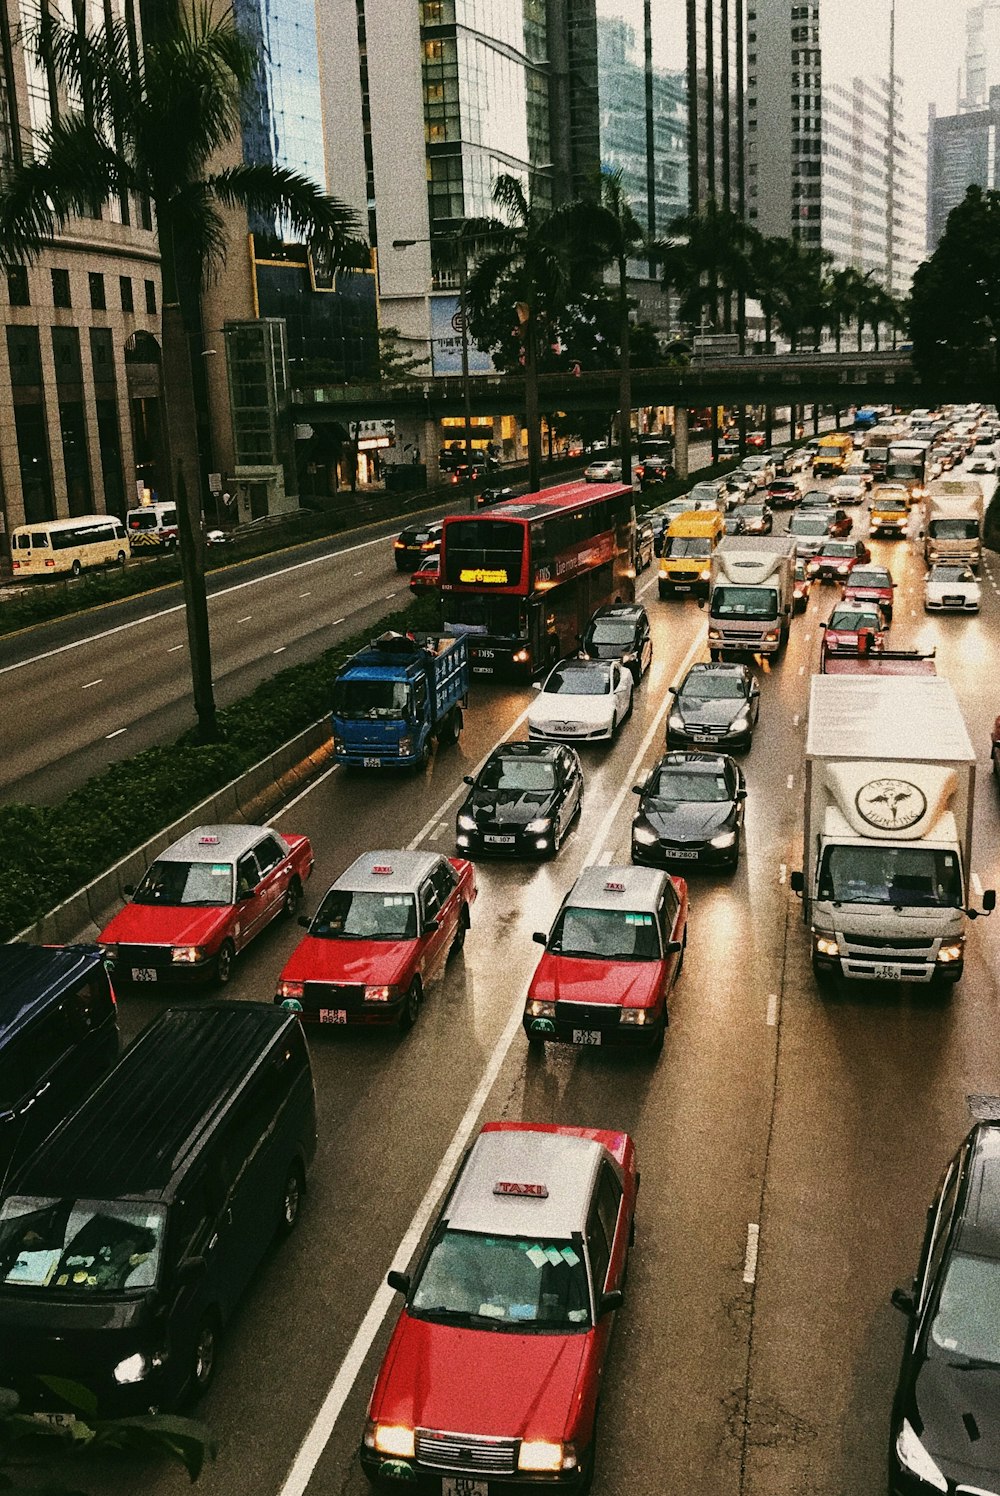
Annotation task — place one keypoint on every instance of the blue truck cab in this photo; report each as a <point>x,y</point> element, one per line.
<point>393,699</point>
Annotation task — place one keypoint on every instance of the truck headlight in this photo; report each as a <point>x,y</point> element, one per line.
<point>635,1017</point>
<point>772,636</point>
<point>949,953</point>
<point>703,576</point>
<point>405,746</point>
<point>724,839</point>
<point>543,1454</point>
<point>541,827</point>
<point>826,947</point>
<point>132,1369</point>
<point>338,744</point>
<point>644,834</point>
<point>537,1007</point>
<point>466,822</point>
<point>715,633</point>
<point>913,1457</point>
<point>186,954</point>
<point>292,989</point>
<point>394,1439</point>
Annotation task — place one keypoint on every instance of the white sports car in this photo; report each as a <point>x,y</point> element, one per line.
<point>581,699</point>
<point>951,587</point>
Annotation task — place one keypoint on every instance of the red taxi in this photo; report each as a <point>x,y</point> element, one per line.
<point>871,584</point>
<point>849,621</point>
<point>493,1373</point>
<point>203,900</point>
<point>836,559</point>
<point>381,935</point>
<point>801,587</point>
<point>610,961</point>
<point>427,577</point>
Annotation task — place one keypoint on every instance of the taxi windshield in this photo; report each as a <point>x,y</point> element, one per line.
<point>861,578</point>
<point>521,774</point>
<point>504,1282</point>
<point>79,1246</point>
<point>605,935</point>
<point>967,1322</point>
<point>852,619</point>
<point>344,915</point>
<point>578,682</point>
<point>186,883</point>
<point>356,700</point>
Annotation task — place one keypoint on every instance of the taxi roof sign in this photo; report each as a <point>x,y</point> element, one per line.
<point>381,867</point>
<point>615,887</point>
<point>524,1191</point>
<point>208,841</point>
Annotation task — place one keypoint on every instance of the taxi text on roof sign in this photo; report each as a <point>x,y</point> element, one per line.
<point>497,575</point>
<point>208,841</point>
<point>530,1191</point>
<point>381,869</point>
<point>614,887</point>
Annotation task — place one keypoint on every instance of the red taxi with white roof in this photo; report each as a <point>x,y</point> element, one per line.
<point>871,584</point>
<point>203,900</point>
<point>381,935</point>
<point>492,1377</point>
<point>611,960</point>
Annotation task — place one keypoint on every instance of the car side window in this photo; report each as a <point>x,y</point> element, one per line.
<point>444,879</point>
<point>671,904</point>
<point>944,1214</point>
<point>429,901</point>
<point>598,1250</point>
<point>268,853</point>
<point>247,876</point>
<point>192,1219</point>
<point>419,696</point>
<point>608,1201</point>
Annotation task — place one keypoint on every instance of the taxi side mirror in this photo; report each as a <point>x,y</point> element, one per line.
<point>904,1300</point>
<point>431,926</point>
<point>741,793</point>
<point>128,889</point>
<point>467,779</point>
<point>609,1302</point>
<point>399,1281</point>
<point>673,947</point>
<point>637,789</point>
<point>989,900</point>
<point>304,921</point>
<point>539,937</point>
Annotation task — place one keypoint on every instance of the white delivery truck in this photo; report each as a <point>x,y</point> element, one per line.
<point>953,521</point>
<point>750,603</point>
<point>889,781</point>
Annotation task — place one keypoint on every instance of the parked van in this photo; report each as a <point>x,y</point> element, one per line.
<point>152,527</point>
<point>129,1237</point>
<point>65,547</point>
<point>688,547</point>
<point>58,1037</point>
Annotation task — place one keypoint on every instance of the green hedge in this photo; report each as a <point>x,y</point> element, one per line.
<point>48,852</point>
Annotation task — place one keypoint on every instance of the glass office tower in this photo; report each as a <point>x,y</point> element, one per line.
<point>283,114</point>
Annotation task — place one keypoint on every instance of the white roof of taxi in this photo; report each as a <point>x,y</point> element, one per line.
<point>564,1164</point>
<point>636,889</point>
<point>405,872</point>
<point>216,843</point>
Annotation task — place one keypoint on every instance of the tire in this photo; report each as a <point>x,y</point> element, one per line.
<point>291,1200</point>
<point>614,727</point>
<point>411,1006</point>
<point>631,704</point>
<point>684,946</point>
<point>715,655</point>
<point>224,963</point>
<point>204,1359</point>
<point>458,944</point>
<point>536,1043</point>
<point>75,569</point>
<point>121,559</point>
<point>293,900</point>
<point>824,976</point>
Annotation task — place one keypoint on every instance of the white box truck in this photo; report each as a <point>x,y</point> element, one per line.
<point>886,872</point>
<point>953,521</point>
<point>751,594</point>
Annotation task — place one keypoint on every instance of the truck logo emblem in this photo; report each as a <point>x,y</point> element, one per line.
<point>891,804</point>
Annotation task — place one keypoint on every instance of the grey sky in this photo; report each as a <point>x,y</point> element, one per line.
<point>930,47</point>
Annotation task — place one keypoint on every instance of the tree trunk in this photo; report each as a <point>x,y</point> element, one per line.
<point>625,376</point>
<point>861,331</point>
<point>836,334</point>
<point>180,439</point>
<point>876,329</point>
<point>531,404</point>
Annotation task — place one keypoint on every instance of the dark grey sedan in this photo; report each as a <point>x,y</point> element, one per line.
<point>716,705</point>
<point>690,810</point>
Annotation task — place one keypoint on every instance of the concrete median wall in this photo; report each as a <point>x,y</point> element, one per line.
<point>250,798</point>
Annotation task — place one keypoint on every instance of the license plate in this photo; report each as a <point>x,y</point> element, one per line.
<point>702,737</point>
<point>333,1015</point>
<point>953,602</point>
<point>586,1036</point>
<point>682,586</point>
<point>463,1485</point>
<point>500,841</point>
<point>482,669</point>
<point>684,854</point>
<point>143,974</point>
<point>371,763</point>
<point>886,973</point>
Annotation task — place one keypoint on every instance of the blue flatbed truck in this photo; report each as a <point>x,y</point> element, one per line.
<point>392,700</point>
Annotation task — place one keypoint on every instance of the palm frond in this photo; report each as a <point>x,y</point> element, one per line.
<point>325,223</point>
<point>71,173</point>
<point>196,73</point>
<point>510,198</point>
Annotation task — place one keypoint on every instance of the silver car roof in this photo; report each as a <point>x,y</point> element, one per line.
<point>398,872</point>
<point>564,1165</point>
<point>217,843</point>
<point>637,890</point>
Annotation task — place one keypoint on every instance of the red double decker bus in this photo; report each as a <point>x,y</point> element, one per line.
<point>523,579</point>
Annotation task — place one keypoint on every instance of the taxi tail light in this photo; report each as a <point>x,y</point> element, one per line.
<point>380,994</point>
<point>291,989</point>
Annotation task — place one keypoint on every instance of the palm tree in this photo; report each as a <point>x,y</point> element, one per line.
<point>707,260</point>
<point>155,126</point>
<point>526,262</point>
<point>843,300</point>
<point>769,275</point>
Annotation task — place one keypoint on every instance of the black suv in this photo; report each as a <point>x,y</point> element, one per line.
<point>620,631</point>
<point>716,705</point>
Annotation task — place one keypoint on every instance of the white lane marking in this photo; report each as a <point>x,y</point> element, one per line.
<point>772,1010</point>
<point>796,720</point>
<point>174,648</point>
<point>388,595</point>
<point>303,793</point>
<point>977,887</point>
<point>807,638</point>
<point>90,683</point>
<point>117,732</point>
<point>305,594</point>
<point>335,622</point>
<point>802,670</point>
<point>356,573</point>
<point>750,1256</point>
<point>608,854</point>
<point>246,619</point>
<point>280,649</point>
<point>782,872</point>
<point>790,780</point>
<point>315,1441</point>
<point>120,628</point>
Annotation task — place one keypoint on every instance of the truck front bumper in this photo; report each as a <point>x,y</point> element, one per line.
<point>888,962</point>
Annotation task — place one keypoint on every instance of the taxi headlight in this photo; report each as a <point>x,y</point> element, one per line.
<point>643,833</point>
<point>393,1439</point>
<point>914,1457</point>
<point>539,827</point>
<point>132,1369</point>
<point>186,954</point>
<point>380,994</point>
<point>291,989</point>
<point>826,947</point>
<point>950,953</point>
<point>466,822</point>
<point>537,1007</point>
<point>546,1454</point>
<point>635,1017</point>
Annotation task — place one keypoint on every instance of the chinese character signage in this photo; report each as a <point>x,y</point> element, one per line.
<point>446,340</point>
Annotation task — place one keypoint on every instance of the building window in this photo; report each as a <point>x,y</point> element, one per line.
<point>98,300</point>
<point>150,297</point>
<point>125,290</point>
<point>60,288</point>
<point>17,286</point>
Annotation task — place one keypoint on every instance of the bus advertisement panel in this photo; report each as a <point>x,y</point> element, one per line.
<point>523,581</point>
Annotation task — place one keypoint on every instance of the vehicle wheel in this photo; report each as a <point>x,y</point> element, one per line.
<point>656,1048</point>
<point>121,558</point>
<point>715,655</point>
<point>663,594</point>
<point>75,569</point>
<point>411,1006</point>
<point>824,976</point>
<point>204,1356</point>
<point>463,925</point>
<point>684,946</point>
<point>224,962</point>
<point>631,705</point>
<point>293,899</point>
<point>536,1043</point>
<point>614,726</point>
<point>291,1200</point>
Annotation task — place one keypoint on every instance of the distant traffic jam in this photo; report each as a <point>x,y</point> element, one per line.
<point>492,1375</point>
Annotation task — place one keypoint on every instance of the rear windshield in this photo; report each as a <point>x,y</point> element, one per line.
<point>79,1246</point>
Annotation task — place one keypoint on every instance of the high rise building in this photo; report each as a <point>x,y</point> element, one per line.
<point>718,63</point>
<point>79,390</point>
<point>982,54</point>
<point>961,153</point>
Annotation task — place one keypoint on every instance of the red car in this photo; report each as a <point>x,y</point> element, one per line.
<point>381,935</point>
<point>203,900</point>
<point>427,577</point>
<point>611,960</point>
<point>783,493</point>
<point>871,584</point>
<point>801,588</point>
<point>847,623</point>
<point>493,1373</point>
<point>836,559</point>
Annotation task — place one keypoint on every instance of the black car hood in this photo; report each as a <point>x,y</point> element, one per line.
<point>954,1412</point>
<point>687,820</point>
<point>714,712</point>
<point>511,807</point>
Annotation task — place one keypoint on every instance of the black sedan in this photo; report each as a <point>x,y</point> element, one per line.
<point>716,705</point>
<point>620,631</point>
<point>492,496</point>
<point>522,803</point>
<point>690,810</point>
<point>414,543</point>
<point>945,1432</point>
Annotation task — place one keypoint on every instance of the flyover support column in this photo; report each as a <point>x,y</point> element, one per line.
<point>815,420</point>
<point>430,451</point>
<point>681,441</point>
